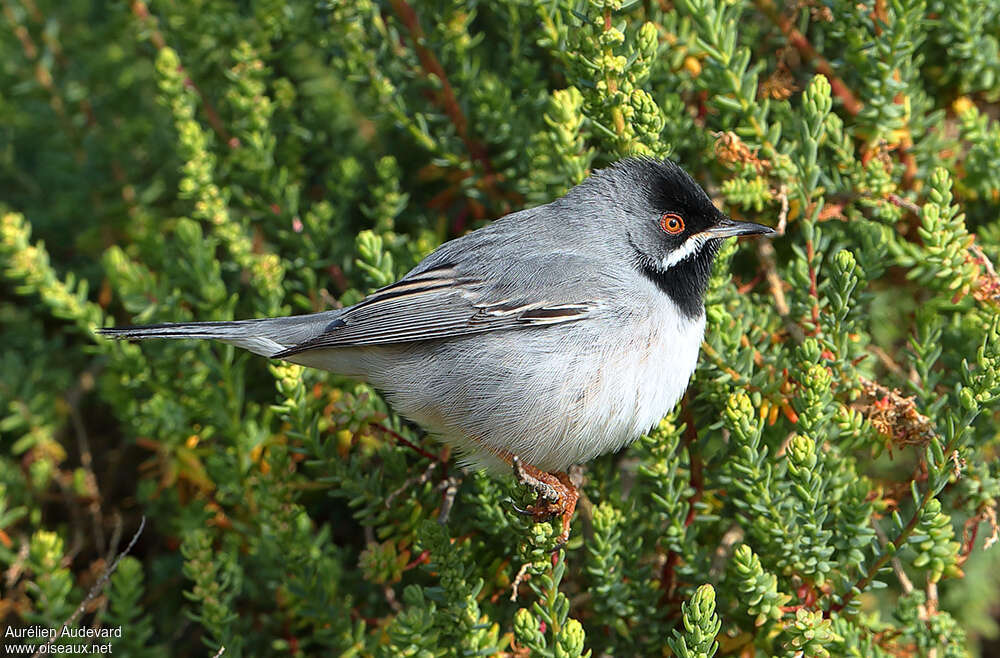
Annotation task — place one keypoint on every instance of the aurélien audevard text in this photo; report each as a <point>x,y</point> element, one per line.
<point>32,635</point>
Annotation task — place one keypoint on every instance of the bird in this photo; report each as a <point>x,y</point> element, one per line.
<point>544,339</point>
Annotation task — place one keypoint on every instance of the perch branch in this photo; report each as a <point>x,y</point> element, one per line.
<point>799,41</point>
<point>94,591</point>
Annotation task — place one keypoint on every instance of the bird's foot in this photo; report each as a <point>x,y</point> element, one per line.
<point>557,496</point>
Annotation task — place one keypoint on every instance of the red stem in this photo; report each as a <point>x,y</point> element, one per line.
<point>141,11</point>
<point>874,569</point>
<point>799,41</point>
<point>447,99</point>
<point>813,287</point>
<point>406,442</point>
<point>694,457</point>
<point>668,576</point>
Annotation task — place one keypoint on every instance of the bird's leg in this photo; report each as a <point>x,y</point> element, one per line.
<point>557,496</point>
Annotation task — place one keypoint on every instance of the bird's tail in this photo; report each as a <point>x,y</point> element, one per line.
<point>266,336</point>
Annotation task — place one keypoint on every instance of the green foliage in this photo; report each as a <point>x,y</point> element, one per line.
<point>52,586</point>
<point>758,589</point>
<point>700,624</point>
<point>546,628</point>
<point>832,476</point>
<point>125,611</point>
<point>810,635</point>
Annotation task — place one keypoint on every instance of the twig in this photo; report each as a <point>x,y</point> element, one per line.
<point>13,573</point>
<point>94,591</point>
<point>430,63</point>
<point>987,514</point>
<point>446,98</point>
<point>813,286</point>
<point>450,486</point>
<point>768,258</point>
<point>390,597</point>
<point>694,458</point>
<point>932,598</point>
<point>618,118</point>
<point>990,516</point>
<point>584,506</point>
<point>980,255</point>
<point>799,41</point>
<point>84,384</point>
<point>406,442</point>
<point>518,579</point>
<point>879,563</point>
<point>668,575</point>
<point>988,285</point>
<point>725,549</point>
<point>897,566</point>
<point>141,11</point>
<point>116,535</point>
<point>888,361</point>
<point>783,213</point>
<point>415,480</point>
<point>765,250</point>
<point>69,498</point>
<point>423,558</point>
<point>897,543</point>
<point>218,653</point>
<point>716,358</point>
<point>900,202</point>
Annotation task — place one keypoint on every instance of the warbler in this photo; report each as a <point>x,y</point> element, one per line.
<point>551,336</point>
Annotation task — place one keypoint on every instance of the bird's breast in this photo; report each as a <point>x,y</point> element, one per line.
<point>671,359</point>
<point>642,376</point>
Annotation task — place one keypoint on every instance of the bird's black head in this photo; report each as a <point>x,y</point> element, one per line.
<point>672,226</point>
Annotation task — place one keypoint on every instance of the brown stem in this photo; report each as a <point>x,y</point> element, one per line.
<point>141,11</point>
<point>813,286</point>
<point>406,442</point>
<point>904,581</point>
<point>97,588</point>
<point>432,66</point>
<point>43,76</point>
<point>423,558</point>
<point>970,530</point>
<point>694,457</point>
<point>879,563</point>
<point>768,259</point>
<point>668,575</point>
<point>899,201</point>
<point>897,543</point>
<point>446,97</point>
<point>799,41</point>
<point>718,361</point>
<point>617,117</point>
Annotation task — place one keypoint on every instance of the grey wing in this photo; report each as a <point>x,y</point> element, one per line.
<point>440,303</point>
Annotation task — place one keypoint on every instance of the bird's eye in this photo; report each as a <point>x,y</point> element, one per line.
<point>672,223</point>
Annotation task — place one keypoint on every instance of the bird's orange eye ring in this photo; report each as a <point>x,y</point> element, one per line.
<point>672,223</point>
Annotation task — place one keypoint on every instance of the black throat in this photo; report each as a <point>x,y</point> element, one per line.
<point>686,282</point>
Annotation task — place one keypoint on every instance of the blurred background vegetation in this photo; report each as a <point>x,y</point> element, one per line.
<point>828,487</point>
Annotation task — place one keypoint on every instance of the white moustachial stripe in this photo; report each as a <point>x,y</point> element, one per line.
<point>690,247</point>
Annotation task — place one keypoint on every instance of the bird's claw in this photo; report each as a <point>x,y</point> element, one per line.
<point>557,496</point>
<point>521,510</point>
<point>532,478</point>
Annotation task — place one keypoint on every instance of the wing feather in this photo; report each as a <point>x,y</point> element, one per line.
<point>432,305</point>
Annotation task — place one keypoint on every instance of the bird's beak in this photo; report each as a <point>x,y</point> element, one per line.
<point>727,228</point>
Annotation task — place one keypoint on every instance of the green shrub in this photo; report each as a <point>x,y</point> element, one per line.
<point>827,487</point>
